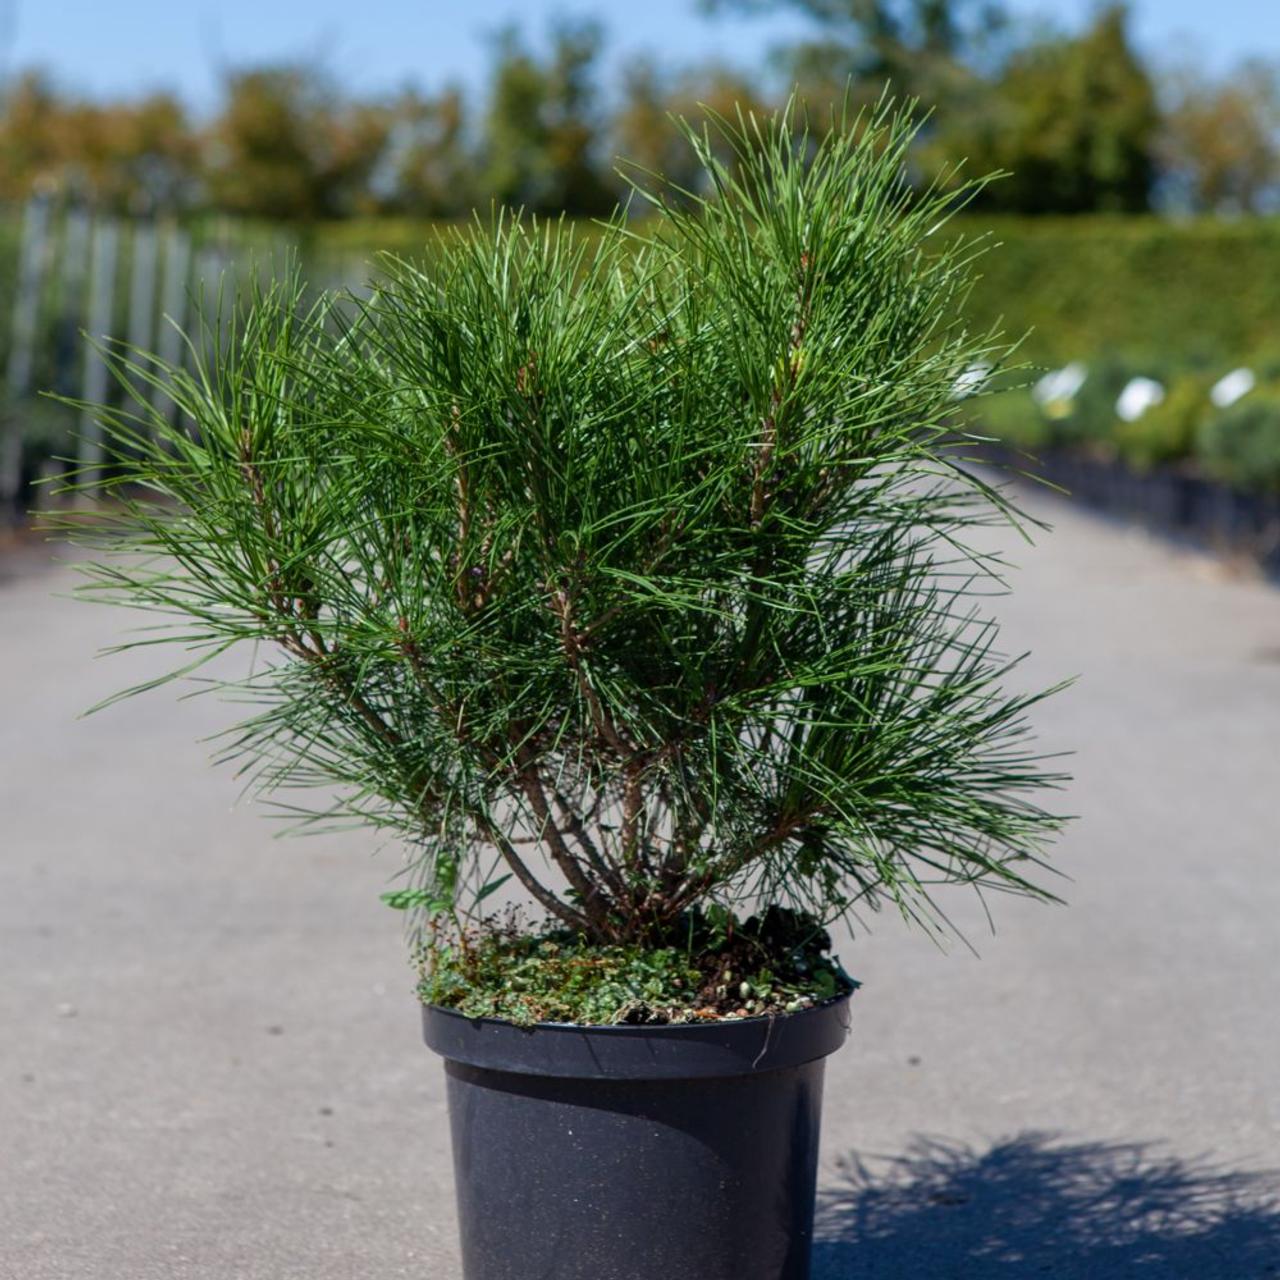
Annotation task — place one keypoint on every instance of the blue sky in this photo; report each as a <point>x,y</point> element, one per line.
<point>133,45</point>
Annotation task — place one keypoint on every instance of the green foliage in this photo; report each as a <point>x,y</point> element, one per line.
<point>1238,446</point>
<point>287,146</point>
<point>1241,444</point>
<point>126,156</point>
<point>1089,419</point>
<point>1220,140</point>
<point>641,129</point>
<point>1013,418</point>
<point>643,559</point>
<point>917,45</point>
<point>1073,123</point>
<point>1071,120</point>
<point>705,971</point>
<point>1148,287</point>
<point>1074,117</point>
<point>543,125</point>
<point>1167,431</point>
<point>527,979</point>
<point>431,170</point>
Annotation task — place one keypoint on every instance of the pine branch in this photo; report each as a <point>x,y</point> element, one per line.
<point>638,558</point>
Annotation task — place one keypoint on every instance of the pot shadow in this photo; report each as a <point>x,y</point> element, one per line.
<point>1037,1205</point>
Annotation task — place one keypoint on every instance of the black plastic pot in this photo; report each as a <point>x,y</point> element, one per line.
<point>636,1153</point>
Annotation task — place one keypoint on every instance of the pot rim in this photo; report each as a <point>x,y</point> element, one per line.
<point>727,1047</point>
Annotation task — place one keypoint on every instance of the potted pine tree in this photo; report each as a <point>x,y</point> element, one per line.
<point>625,573</point>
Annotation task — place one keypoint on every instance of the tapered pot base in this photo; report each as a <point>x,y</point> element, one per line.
<point>636,1153</point>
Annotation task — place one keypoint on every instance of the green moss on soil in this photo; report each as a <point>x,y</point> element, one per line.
<point>776,963</point>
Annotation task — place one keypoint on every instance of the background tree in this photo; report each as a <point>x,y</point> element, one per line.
<point>1075,118</point>
<point>128,156</point>
<point>922,46</point>
<point>430,170</point>
<point>287,145</point>
<point>1074,122</point>
<point>1220,140</point>
<point>642,126</point>
<point>134,157</point>
<point>29,143</point>
<point>543,130</point>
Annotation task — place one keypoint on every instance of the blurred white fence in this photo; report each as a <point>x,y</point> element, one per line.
<point>67,273</point>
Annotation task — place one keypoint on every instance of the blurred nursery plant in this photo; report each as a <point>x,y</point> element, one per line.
<point>1166,432</point>
<point>634,567</point>
<point>1241,444</point>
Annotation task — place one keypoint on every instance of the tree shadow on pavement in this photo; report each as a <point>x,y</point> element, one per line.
<point>1035,1205</point>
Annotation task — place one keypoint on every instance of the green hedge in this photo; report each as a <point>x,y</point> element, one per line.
<point>1206,289</point>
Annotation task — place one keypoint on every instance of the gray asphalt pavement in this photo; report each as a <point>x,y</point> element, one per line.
<point>210,1063</point>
